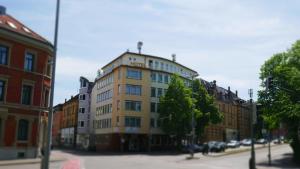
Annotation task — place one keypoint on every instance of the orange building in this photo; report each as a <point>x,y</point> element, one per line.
<point>236,122</point>
<point>69,122</point>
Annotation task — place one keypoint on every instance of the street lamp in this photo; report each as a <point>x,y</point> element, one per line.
<point>252,158</point>
<point>46,156</point>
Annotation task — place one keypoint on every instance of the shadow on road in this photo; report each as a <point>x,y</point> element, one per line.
<point>286,162</point>
<point>109,153</point>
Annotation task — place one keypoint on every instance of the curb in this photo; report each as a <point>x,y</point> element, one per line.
<point>28,161</point>
<point>244,150</point>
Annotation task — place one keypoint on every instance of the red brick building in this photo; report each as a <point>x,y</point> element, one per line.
<point>24,88</point>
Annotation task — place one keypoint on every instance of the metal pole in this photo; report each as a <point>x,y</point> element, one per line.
<point>269,147</point>
<point>45,159</point>
<point>252,159</point>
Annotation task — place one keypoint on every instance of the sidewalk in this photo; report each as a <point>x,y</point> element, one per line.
<point>53,158</point>
<point>240,150</point>
<point>284,161</point>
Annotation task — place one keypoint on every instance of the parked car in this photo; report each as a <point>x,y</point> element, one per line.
<point>190,147</point>
<point>246,142</point>
<point>233,144</point>
<point>276,141</point>
<point>216,146</point>
<point>261,141</point>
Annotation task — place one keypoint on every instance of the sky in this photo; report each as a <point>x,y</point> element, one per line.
<point>223,40</point>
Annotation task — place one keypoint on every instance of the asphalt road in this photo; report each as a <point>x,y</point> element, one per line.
<point>79,160</point>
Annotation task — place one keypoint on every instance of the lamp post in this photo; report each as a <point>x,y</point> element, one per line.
<point>252,158</point>
<point>45,158</point>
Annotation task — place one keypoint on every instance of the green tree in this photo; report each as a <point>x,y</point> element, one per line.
<point>281,103</point>
<point>206,111</point>
<point>177,104</point>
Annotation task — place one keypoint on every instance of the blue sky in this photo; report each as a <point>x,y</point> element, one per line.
<point>224,40</point>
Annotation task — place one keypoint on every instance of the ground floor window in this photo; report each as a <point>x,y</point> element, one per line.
<point>23,130</point>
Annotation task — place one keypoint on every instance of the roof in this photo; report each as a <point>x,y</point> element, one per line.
<point>222,94</point>
<point>11,24</point>
<point>156,57</point>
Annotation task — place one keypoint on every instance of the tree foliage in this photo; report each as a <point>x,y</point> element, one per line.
<point>178,103</point>
<point>281,104</point>
<point>205,106</point>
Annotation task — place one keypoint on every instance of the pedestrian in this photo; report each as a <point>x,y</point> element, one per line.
<point>205,149</point>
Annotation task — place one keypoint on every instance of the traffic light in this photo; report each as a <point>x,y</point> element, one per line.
<point>269,83</point>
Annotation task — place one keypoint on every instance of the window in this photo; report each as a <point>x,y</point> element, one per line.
<point>153,77</point>
<point>133,105</point>
<point>161,66</point>
<point>82,97</point>
<point>104,96</point>
<point>46,98</point>
<point>29,61</point>
<point>150,63</point>
<point>153,107</point>
<point>159,92</point>
<point>160,78</point>
<point>133,89</point>
<point>23,130</point>
<point>81,124</point>
<point>132,121</point>
<point>2,90</point>
<point>158,107</point>
<point>119,73</point>
<point>118,105</point>
<point>167,67</point>
<point>3,55</point>
<point>156,64</point>
<point>26,94</point>
<point>134,74</point>
<point>166,79</point>
<point>152,123</point>
<point>119,89</point>
<point>153,92</point>
<point>81,110</point>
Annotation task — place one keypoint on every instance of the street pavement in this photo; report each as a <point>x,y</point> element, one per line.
<point>281,158</point>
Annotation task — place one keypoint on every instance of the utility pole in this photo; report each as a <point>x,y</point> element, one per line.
<point>46,156</point>
<point>252,158</point>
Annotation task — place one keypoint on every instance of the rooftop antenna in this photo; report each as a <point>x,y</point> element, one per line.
<point>174,57</point>
<point>139,46</point>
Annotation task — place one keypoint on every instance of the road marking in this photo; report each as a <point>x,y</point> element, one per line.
<point>72,164</point>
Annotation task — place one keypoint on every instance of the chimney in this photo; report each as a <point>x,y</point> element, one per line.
<point>174,57</point>
<point>214,83</point>
<point>2,10</point>
<point>71,96</point>
<point>228,88</point>
<point>236,93</point>
<point>65,100</point>
<point>139,46</point>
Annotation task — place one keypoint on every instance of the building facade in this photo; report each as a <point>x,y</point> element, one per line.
<point>83,127</point>
<point>24,88</point>
<point>69,122</point>
<point>236,111</point>
<point>125,101</point>
<point>57,125</point>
